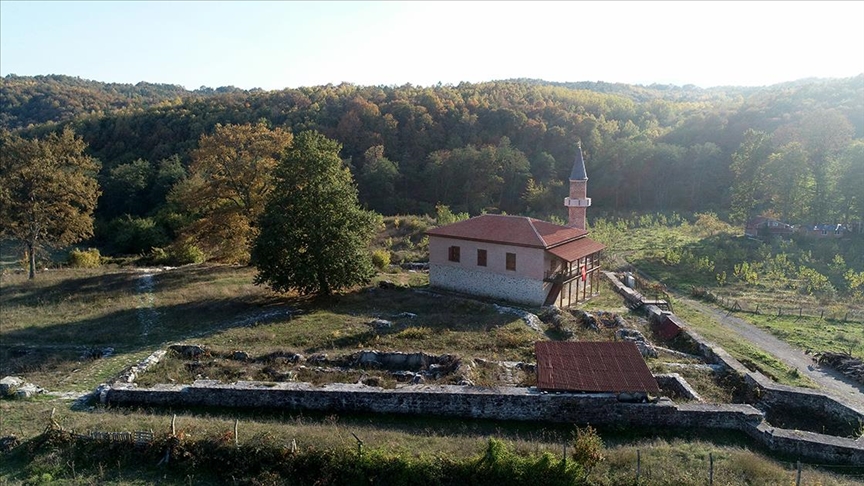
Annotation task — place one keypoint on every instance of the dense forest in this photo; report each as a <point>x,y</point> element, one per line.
<point>793,150</point>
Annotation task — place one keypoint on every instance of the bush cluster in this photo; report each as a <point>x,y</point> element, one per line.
<point>262,461</point>
<point>85,258</point>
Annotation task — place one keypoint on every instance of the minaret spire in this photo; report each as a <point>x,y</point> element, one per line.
<point>578,201</point>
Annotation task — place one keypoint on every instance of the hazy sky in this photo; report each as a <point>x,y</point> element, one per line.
<point>275,45</point>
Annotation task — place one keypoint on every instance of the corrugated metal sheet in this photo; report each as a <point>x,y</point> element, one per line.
<point>611,367</point>
<point>667,327</point>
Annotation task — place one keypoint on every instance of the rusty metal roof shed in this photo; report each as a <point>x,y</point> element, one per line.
<point>610,367</point>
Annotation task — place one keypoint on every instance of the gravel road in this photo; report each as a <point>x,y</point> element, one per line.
<point>831,382</point>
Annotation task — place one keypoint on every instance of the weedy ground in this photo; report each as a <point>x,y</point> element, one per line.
<point>55,327</point>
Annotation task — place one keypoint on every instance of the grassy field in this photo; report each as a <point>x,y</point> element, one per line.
<point>667,457</point>
<point>51,323</point>
<point>811,276</point>
<point>749,355</point>
<point>811,333</point>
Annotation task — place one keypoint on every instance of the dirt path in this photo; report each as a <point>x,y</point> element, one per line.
<point>147,315</point>
<point>829,381</point>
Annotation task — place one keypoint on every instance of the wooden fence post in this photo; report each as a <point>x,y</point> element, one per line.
<point>822,314</point>
<point>779,311</point>
<point>638,465</point>
<point>359,446</point>
<point>711,469</point>
<point>236,423</point>
<point>564,455</point>
<point>173,429</point>
<point>798,475</point>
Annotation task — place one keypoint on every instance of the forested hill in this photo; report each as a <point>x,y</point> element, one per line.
<point>504,145</point>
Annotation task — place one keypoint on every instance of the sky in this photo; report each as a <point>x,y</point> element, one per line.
<point>276,45</point>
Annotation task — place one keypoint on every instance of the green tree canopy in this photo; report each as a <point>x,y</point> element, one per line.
<point>748,166</point>
<point>48,191</point>
<point>314,237</point>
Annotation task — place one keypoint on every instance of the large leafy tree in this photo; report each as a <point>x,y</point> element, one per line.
<point>748,167</point>
<point>230,178</point>
<point>48,191</point>
<point>314,237</point>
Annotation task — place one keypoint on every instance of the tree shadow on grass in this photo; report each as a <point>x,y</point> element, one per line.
<point>85,289</point>
<point>128,331</point>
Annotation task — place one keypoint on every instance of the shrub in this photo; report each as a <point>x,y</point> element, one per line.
<point>180,253</point>
<point>85,258</point>
<point>381,259</point>
<point>814,283</point>
<point>133,235</point>
<point>443,215</point>
<point>183,253</point>
<point>414,333</point>
<point>588,447</point>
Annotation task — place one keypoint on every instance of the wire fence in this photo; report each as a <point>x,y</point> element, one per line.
<point>733,304</point>
<point>646,469</point>
<point>651,287</point>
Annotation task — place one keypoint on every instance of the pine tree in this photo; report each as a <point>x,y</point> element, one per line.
<point>48,191</point>
<point>313,235</point>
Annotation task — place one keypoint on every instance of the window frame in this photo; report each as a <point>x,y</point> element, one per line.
<point>454,254</point>
<point>510,261</point>
<point>482,257</point>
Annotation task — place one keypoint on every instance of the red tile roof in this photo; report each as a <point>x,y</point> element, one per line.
<point>513,230</point>
<point>611,367</point>
<point>574,250</point>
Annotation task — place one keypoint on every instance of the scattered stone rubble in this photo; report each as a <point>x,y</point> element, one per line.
<point>634,336</point>
<point>415,266</point>
<point>380,324</point>
<point>15,387</point>
<point>130,375</point>
<point>8,443</point>
<point>189,351</point>
<point>844,363</point>
<point>530,319</point>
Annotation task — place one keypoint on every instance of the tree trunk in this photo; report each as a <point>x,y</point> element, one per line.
<point>32,257</point>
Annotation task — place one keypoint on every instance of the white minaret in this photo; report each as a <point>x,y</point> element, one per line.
<point>578,201</point>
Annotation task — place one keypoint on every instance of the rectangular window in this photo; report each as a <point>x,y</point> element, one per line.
<point>511,261</point>
<point>481,258</point>
<point>453,254</point>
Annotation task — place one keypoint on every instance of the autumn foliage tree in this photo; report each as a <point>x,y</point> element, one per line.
<point>230,178</point>
<point>48,191</point>
<point>314,237</point>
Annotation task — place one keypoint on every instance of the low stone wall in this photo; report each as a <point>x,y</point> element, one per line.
<point>504,403</point>
<point>677,384</point>
<point>773,394</point>
<point>765,390</point>
<point>817,447</point>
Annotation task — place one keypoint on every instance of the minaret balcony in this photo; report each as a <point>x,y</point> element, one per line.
<point>572,202</point>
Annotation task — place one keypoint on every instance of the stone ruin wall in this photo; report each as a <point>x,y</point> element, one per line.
<point>503,403</point>
<point>528,404</point>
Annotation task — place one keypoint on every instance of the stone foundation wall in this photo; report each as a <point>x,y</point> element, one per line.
<point>677,384</point>
<point>495,285</point>
<point>503,403</point>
